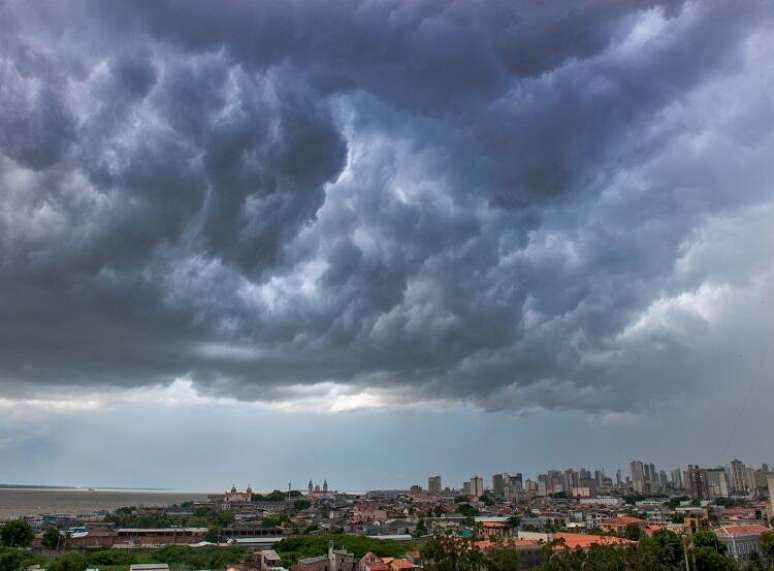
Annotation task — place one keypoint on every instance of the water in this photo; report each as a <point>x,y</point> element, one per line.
<point>16,502</point>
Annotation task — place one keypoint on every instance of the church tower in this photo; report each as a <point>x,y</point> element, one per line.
<point>310,487</point>
<point>325,486</point>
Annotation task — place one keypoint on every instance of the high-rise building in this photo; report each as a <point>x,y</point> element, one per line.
<point>476,486</point>
<point>434,485</point>
<point>770,479</point>
<point>663,481</point>
<point>498,483</point>
<point>618,477</point>
<point>739,477</point>
<point>752,488</point>
<point>717,483</point>
<point>542,485</point>
<point>466,488</point>
<point>696,482</point>
<point>677,479</point>
<point>638,476</point>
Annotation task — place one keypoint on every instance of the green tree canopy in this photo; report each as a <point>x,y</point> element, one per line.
<point>709,540</point>
<point>767,547</point>
<point>633,531</point>
<point>51,538</point>
<point>467,510</point>
<point>68,562</point>
<point>16,533</point>
<point>708,559</point>
<point>302,504</point>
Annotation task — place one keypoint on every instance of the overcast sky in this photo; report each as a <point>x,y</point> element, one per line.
<point>260,242</point>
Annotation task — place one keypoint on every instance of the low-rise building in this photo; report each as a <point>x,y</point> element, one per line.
<point>741,540</point>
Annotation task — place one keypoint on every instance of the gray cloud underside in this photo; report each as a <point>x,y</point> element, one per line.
<point>509,204</point>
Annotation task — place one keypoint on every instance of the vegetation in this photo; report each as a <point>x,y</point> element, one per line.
<point>68,562</point>
<point>467,510</point>
<point>633,531</point>
<point>291,549</point>
<point>202,517</point>
<point>675,502</point>
<point>177,556</point>
<point>767,548</point>
<point>663,551</point>
<point>302,504</point>
<point>277,496</point>
<point>14,559</point>
<point>439,511</point>
<point>421,529</point>
<point>51,538</point>
<point>16,533</point>
<point>274,520</point>
<point>486,500</point>
<point>451,554</point>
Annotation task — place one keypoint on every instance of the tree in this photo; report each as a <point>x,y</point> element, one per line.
<point>68,562</point>
<point>486,500</point>
<point>213,534</point>
<point>439,510</point>
<point>302,504</point>
<point>709,540</point>
<point>755,562</point>
<point>767,547</point>
<point>633,531</point>
<point>467,510</point>
<point>51,538</point>
<point>10,560</point>
<point>666,546</point>
<point>708,559</point>
<point>451,554</point>
<point>501,558</point>
<point>421,529</point>
<point>225,519</point>
<point>16,533</point>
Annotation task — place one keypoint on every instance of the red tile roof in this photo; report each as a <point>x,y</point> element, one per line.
<point>584,541</point>
<point>512,542</point>
<point>736,530</point>
<point>402,564</point>
<point>623,520</point>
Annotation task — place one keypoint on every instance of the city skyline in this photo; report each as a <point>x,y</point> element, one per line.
<point>375,240</point>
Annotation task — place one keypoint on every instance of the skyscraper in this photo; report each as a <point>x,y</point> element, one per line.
<point>770,479</point>
<point>476,486</point>
<point>697,482</point>
<point>434,485</point>
<point>498,483</point>
<point>739,477</point>
<point>677,479</point>
<point>638,476</point>
<point>717,483</point>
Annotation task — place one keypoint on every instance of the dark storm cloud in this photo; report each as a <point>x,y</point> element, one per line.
<point>492,202</point>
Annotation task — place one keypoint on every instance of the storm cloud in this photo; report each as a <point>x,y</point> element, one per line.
<point>516,205</point>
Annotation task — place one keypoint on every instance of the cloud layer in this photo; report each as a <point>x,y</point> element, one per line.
<point>513,205</point>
